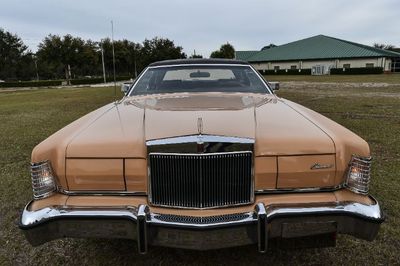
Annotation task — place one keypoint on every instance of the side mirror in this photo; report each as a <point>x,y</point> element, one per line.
<point>274,85</point>
<point>125,87</point>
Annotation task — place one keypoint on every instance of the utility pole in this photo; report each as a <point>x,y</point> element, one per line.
<point>134,61</point>
<point>113,54</point>
<point>37,72</point>
<point>102,60</point>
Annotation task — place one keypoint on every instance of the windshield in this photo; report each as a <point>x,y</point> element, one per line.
<point>199,78</point>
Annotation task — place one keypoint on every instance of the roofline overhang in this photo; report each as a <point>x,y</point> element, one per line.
<point>320,59</point>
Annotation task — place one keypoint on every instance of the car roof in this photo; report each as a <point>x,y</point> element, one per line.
<point>198,61</point>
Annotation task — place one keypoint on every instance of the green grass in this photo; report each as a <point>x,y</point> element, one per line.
<point>384,78</point>
<point>28,117</point>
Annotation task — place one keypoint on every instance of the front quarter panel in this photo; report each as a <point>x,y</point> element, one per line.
<point>346,142</point>
<point>54,147</point>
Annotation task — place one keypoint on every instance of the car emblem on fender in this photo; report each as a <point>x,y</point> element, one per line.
<point>318,166</point>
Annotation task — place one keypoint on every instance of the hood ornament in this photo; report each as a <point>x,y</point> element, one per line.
<point>200,125</point>
<point>200,142</point>
<point>318,166</point>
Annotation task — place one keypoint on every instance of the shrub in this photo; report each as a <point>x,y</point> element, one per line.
<point>97,80</point>
<point>288,72</point>
<point>41,83</point>
<point>49,83</point>
<point>356,71</point>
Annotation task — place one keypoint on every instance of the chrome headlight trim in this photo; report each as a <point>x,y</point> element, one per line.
<point>43,179</point>
<point>359,174</point>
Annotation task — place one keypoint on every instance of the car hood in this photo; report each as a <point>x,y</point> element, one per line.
<point>122,131</point>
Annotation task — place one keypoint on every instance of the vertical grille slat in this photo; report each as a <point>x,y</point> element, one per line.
<point>200,180</point>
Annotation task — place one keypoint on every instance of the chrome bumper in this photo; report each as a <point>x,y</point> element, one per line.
<point>265,222</point>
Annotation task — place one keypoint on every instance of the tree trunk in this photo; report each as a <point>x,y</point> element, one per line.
<point>68,74</point>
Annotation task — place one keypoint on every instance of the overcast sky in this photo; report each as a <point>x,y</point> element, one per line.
<point>204,25</point>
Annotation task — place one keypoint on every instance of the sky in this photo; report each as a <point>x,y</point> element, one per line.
<point>203,25</point>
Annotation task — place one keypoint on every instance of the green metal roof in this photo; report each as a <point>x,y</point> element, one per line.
<point>243,55</point>
<point>318,47</point>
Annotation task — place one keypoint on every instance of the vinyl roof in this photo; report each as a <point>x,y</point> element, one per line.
<point>198,61</point>
<point>318,47</point>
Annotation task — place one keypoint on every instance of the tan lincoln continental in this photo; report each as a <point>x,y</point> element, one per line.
<point>201,154</point>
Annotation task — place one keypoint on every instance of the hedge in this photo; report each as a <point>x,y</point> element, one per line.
<point>97,80</point>
<point>286,72</point>
<point>49,83</point>
<point>356,71</point>
<point>41,83</point>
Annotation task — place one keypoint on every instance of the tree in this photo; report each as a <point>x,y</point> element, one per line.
<point>16,60</point>
<point>69,55</point>
<point>384,46</point>
<point>127,57</point>
<point>225,51</point>
<point>158,49</point>
<point>271,45</point>
<point>194,55</point>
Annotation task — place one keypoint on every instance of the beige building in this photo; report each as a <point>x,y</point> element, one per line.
<point>320,54</point>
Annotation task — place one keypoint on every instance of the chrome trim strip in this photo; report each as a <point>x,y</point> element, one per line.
<point>298,190</point>
<point>101,193</point>
<point>263,81</point>
<point>203,138</point>
<point>199,154</point>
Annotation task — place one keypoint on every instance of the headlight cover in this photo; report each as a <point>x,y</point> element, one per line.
<point>43,180</point>
<point>359,174</point>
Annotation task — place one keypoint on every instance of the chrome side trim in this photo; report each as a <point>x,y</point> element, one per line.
<point>101,193</point>
<point>298,190</point>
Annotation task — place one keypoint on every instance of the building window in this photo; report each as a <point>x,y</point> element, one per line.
<point>276,67</point>
<point>293,67</point>
<point>369,65</point>
<point>346,65</point>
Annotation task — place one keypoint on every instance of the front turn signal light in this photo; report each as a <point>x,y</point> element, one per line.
<point>359,174</point>
<point>43,180</point>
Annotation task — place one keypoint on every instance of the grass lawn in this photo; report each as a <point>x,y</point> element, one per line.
<point>28,117</point>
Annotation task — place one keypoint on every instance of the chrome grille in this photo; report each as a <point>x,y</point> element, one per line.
<point>170,218</point>
<point>201,180</point>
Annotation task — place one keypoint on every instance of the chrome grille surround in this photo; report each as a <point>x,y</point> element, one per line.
<point>205,188</point>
